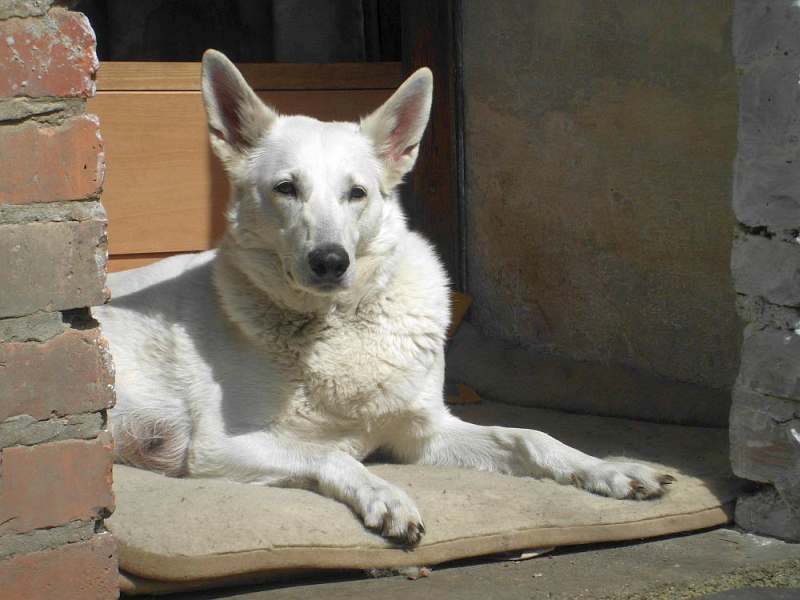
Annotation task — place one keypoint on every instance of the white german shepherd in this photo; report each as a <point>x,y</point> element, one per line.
<point>314,335</point>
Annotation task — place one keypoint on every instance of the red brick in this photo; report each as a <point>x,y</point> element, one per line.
<point>53,55</point>
<point>81,571</point>
<point>48,164</point>
<point>68,374</point>
<point>52,484</point>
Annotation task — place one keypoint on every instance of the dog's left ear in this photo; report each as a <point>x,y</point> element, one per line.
<point>396,128</point>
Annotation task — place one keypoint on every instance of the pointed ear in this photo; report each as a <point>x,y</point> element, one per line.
<point>237,118</point>
<point>396,128</point>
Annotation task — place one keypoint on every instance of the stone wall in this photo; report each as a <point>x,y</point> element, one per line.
<point>765,418</point>
<point>55,372</point>
<point>600,138</point>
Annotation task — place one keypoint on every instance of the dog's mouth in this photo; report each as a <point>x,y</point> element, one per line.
<point>328,288</point>
<point>317,288</point>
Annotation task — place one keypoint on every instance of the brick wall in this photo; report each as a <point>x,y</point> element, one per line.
<point>55,371</point>
<point>765,418</point>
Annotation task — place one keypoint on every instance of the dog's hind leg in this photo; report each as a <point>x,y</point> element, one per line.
<point>452,442</point>
<point>279,460</point>
<point>155,437</point>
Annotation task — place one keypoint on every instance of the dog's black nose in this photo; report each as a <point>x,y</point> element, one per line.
<point>329,262</point>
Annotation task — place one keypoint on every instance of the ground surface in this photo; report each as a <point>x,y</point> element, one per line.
<point>688,566</point>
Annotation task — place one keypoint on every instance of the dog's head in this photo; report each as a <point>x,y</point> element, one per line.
<point>312,193</point>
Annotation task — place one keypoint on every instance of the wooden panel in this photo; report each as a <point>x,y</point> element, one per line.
<point>430,33</point>
<point>127,76</point>
<point>164,191</point>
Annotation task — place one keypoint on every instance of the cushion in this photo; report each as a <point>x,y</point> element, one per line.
<point>182,534</point>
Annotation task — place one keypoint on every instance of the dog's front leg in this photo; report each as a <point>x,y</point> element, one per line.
<point>449,441</point>
<point>278,460</point>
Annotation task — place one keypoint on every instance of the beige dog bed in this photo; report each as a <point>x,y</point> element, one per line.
<point>181,534</point>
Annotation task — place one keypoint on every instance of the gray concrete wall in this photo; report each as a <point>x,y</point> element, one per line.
<point>600,137</point>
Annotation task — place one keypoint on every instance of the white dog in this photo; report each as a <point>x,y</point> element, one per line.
<point>314,335</point>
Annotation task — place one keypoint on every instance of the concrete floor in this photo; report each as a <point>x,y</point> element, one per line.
<point>687,566</point>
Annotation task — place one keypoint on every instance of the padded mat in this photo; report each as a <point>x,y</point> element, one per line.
<point>180,534</point>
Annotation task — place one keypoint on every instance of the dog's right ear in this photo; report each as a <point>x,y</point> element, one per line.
<point>237,118</point>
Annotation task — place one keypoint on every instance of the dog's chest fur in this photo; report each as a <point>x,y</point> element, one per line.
<point>360,363</point>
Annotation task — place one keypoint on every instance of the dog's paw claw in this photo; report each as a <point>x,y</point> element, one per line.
<point>414,534</point>
<point>623,480</point>
<point>391,512</point>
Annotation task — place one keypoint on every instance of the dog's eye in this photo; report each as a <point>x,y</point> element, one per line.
<point>357,192</point>
<point>286,187</point>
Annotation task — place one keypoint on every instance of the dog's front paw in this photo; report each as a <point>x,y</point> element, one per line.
<point>623,480</point>
<point>390,511</point>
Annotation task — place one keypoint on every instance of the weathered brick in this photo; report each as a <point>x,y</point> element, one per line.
<point>72,572</point>
<point>24,430</point>
<point>23,8</point>
<point>16,109</point>
<point>763,447</point>
<point>763,28</point>
<point>53,55</point>
<point>19,214</point>
<point>52,266</point>
<point>769,268</point>
<point>68,374</point>
<point>765,512</point>
<point>51,163</point>
<point>770,362</point>
<point>45,539</point>
<point>56,483</point>
<point>38,327</point>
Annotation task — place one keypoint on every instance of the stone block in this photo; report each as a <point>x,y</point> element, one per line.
<point>53,484</point>
<point>52,266</point>
<point>69,374</point>
<point>766,513</point>
<point>766,190</point>
<point>769,106</point>
<point>51,163</point>
<point>762,434</point>
<point>770,362</point>
<point>765,267</point>
<point>755,309</point>
<point>72,572</point>
<point>788,484</point>
<point>764,28</point>
<point>50,56</point>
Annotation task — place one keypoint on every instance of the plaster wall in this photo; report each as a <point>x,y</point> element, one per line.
<point>600,137</point>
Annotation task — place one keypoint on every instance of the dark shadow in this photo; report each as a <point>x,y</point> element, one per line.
<point>214,336</point>
<point>218,201</point>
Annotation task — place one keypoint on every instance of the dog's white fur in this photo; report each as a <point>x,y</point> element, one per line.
<point>238,363</point>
